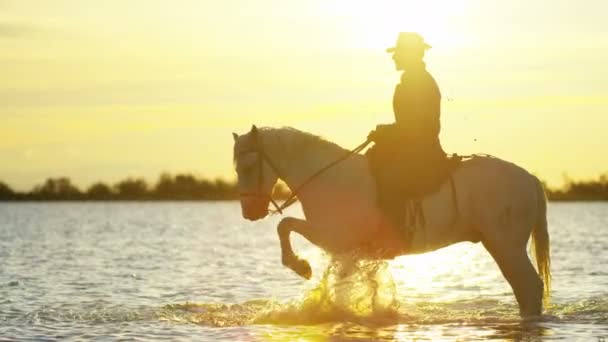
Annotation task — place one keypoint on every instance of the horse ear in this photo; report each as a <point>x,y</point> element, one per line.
<point>234,135</point>
<point>254,128</point>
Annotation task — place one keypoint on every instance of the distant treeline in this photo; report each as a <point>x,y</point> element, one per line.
<point>573,190</point>
<point>181,187</point>
<point>186,187</point>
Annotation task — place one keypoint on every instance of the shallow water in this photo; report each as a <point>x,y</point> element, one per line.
<point>184,271</point>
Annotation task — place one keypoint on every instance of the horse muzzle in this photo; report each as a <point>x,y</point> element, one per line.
<point>254,211</point>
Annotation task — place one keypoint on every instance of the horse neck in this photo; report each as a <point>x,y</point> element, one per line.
<point>299,156</point>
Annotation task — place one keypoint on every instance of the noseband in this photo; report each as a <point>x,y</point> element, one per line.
<point>263,157</point>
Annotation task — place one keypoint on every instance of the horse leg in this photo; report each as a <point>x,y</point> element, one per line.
<point>288,258</point>
<point>521,275</point>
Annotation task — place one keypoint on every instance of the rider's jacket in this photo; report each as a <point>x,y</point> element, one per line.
<point>417,106</point>
<point>407,159</point>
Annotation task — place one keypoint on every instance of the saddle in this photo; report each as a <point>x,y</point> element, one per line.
<point>414,169</point>
<point>403,174</point>
<point>444,170</point>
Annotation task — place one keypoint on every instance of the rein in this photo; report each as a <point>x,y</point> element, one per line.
<point>292,198</point>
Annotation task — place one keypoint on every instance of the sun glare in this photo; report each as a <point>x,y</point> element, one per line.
<point>416,274</point>
<point>374,24</point>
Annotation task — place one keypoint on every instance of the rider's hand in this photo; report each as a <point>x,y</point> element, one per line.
<point>383,130</point>
<point>380,131</point>
<point>372,135</point>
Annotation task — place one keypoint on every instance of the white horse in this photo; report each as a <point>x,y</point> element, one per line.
<point>489,200</point>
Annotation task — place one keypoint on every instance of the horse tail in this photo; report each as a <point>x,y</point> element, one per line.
<point>540,243</point>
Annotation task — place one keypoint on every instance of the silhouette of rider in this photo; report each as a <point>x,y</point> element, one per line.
<point>406,159</point>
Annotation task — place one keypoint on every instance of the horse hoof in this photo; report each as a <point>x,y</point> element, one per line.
<point>302,268</point>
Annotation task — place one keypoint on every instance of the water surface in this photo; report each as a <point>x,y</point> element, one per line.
<point>198,271</point>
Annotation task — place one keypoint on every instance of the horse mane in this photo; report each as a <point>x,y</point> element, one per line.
<point>301,140</point>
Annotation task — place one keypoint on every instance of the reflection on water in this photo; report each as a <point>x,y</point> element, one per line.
<point>184,271</point>
<point>478,320</point>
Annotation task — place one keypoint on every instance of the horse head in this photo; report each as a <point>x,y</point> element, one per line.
<point>256,176</point>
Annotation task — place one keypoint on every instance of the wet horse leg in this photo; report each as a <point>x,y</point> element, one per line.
<point>521,275</point>
<point>288,258</point>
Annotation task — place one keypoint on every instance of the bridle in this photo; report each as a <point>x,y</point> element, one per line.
<point>262,157</point>
<point>292,198</point>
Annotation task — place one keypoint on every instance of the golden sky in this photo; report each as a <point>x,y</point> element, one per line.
<point>101,90</point>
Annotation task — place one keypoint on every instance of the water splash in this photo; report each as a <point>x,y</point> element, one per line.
<point>362,291</point>
<point>353,292</point>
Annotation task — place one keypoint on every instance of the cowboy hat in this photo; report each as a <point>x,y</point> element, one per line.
<point>409,40</point>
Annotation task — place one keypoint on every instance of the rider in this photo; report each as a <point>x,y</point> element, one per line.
<point>406,160</point>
